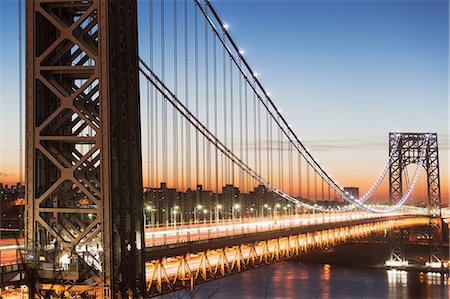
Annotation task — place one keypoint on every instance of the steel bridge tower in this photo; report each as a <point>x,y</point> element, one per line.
<point>83,146</point>
<point>405,152</point>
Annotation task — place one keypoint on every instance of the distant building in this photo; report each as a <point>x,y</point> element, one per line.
<point>12,205</point>
<point>352,191</point>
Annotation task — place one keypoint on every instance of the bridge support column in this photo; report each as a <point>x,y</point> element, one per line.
<point>405,152</point>
<point>83,148</point>
<point>398,258</point>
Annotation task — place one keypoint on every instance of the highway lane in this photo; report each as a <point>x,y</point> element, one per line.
<point>186,233</point>
<point>200,231</point>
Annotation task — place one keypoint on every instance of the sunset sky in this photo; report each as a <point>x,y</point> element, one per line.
<point>345,73</point>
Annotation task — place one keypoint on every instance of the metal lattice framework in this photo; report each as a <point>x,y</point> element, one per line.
<point>83,140</point>
<point>406,151</point>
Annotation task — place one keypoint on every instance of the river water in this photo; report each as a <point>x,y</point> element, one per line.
<point>294,279</point>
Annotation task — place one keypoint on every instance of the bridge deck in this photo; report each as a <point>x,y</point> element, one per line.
<point>173,242</point>
<point>215,258</point>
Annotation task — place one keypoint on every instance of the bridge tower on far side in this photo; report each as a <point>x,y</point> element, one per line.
<point>83,144</point>
<point>405,149</point>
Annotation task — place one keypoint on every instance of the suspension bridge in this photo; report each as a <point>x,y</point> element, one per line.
<point>223,183</point>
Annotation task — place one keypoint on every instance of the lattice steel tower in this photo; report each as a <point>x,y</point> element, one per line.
<point>83,146</point>
<point>405,152</point>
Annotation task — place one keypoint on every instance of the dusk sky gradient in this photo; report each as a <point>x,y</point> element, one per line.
<point>345,74</point>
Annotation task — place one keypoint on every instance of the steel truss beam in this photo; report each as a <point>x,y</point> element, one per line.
<point>83,149</point>
<point>172,273</point>
<point>404,153</point>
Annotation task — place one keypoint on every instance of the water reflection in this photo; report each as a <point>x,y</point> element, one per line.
<point>293,279</point>
<point>396,277</point>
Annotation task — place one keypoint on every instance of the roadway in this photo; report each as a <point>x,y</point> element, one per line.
<point>180,233</point>
<point>201,231</point>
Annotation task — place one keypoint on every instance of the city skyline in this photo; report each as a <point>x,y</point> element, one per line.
<point>322,92</point>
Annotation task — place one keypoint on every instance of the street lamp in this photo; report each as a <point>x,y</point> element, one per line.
<point>196,208</point>
<point>296,209</point>
<point>277,206</point>
<point>173,214</point>
<point>233,208</point>
<point>148,210</point>
<point>265,206</point>
<point>205,211</point>
<point>217,212</point>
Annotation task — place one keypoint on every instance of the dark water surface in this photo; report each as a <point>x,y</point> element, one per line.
<point>293,279</point>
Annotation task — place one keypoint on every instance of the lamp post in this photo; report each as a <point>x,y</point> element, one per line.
<point>173,214</point>
<point>265,206</point>
<point>205,211</point>
<point>296,209</point>
<point>233,208</point>
<point>196,209</point>
<point>147,210</point>
<point>277,206</point>
<point>217,212</point>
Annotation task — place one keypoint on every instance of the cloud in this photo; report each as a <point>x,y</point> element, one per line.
<point>4,174</point>
<point>325,145</point>
<point>320,145</point>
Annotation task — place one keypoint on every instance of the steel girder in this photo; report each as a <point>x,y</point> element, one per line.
<point>83,148</point>
<point>198,267</point>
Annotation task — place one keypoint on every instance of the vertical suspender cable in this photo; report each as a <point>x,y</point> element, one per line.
<point>20,97</point>
<point>148,136</point>
<point>231,120</point>
<point>215,116</point>
<point>152,93</point>
<point>259,138</point>
<point>149,117</point>
<point>267,145</point>
<point>175,84</point>
<point>208,145</point>
<point>290,170</point>
<point>246,179</point>
<point>280,166</point>
<point>197,166</point>
<point>241,133</point>
<point>329,193</point>
<point>157,148</point>
<point>272,172</point>
<point>164,101</point>
<point>186,94</point>
<point>307,181</point>
<point>315,185</point>
<point>255,133</point>
<point>224,163</point>
<point>299,179</point>
<point>323,192</point>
